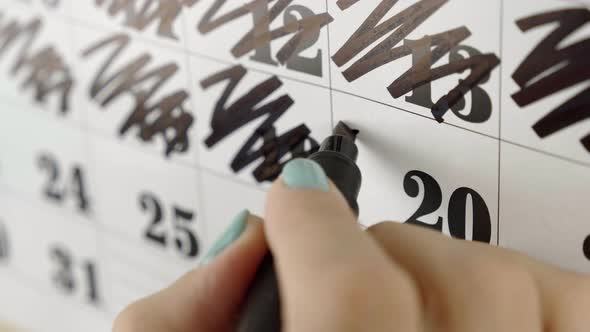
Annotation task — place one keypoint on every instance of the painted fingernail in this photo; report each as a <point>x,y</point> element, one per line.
<point>305,174</point>
<point>232,233</point>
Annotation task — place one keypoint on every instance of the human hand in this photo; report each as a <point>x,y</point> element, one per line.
<point>333,276</point>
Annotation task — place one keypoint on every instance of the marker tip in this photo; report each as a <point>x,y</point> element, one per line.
<point>343,129</point>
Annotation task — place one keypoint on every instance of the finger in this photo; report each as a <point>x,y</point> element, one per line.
<point>464,286</point>
<point>205,299</point>
<point>564,295</point>
<point>332,276</point>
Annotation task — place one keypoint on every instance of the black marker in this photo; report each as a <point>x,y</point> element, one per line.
<point>337,155</point>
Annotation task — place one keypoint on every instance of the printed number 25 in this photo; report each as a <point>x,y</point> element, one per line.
<point>457,217</point>
<point>184,238</point>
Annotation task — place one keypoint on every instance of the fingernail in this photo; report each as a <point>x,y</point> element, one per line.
<point>305,174</point>
<point>228,237</point>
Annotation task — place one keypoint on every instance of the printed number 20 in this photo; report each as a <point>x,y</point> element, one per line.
<point>482,225</point>
<point>185,239</point>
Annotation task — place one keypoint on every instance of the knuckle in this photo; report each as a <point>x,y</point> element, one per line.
<point>380,227</point>
<point>383,232</point>
<point>583,288</point>
<point>574,298</point>
<point>370,286</point>
<point>500,281</point>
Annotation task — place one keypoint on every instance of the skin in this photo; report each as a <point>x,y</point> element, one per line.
<point>335,277</point>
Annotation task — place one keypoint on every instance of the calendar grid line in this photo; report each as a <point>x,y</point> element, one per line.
<point>153,153</point>
<point>233,179</point>
<point>56,209</point>
<point>90,156</point>
<point>122,256</point>
<point>546,153</point>
<point>181,49</point>
<point>198,174</point>
<point>184,50</point>
<point>501,47</point>
<point>108,201</point>
<point>550,154</point>
<point>98,134</point>
<point>330,72</point>
<point>94,224</point>
<point>26,280</point>
<point>414,113</point>
<point>108,137</point>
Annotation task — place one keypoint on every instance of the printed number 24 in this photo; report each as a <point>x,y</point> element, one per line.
<point>58,188</point>
<point>457,217</point>
<point>184,238</point>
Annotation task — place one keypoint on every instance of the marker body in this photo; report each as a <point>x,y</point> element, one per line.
<point>337,155</point>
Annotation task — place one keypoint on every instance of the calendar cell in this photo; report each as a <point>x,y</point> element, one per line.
<point>419,52</point>
<point>438,177</point>
<point>544,211</point>
<point>252,139</point>
<point>212,34</point>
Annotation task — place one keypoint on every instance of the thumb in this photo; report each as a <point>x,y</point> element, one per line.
<point>207,298</point>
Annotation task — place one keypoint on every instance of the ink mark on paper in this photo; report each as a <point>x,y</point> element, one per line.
<point>165,117</point>
<point>45,72</point>
<point>345,4</point>
<point>140,14</point>
<point>253,105</point>
<point>425,52</point>
<point>48,3</point>
<point>586,247</point>
<point>299,21</point>
<point>4,244</point>
<point>552,67</point>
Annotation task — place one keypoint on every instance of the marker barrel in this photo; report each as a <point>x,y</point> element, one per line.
<point>262,308</point>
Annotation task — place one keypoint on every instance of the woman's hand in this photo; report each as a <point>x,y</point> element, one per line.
<point>335,277</point>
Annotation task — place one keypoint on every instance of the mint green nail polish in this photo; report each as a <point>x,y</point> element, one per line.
<point>305,174</point>
<point>231,234</point>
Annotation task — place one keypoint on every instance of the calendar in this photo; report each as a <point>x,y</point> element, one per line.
<point>132,131</point>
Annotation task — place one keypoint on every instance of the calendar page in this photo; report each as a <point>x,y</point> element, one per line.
<point>132,131</point>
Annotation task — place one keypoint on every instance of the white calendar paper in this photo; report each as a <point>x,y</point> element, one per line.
<point>132,131</point>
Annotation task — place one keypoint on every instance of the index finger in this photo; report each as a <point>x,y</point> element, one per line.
<point>327,266</point>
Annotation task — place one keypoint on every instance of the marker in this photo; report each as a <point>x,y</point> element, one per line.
<point>337,155</point>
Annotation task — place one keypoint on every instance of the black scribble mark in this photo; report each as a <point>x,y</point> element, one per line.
<point>399,27</point>
<point>538,78</point>
<point>52,4</point>
<point>4,245</point>
<point>345,4</point>
<point>586,247</point>
<point>480,109</point>
<point>139,14</point>
<point>303,29</point>
<point>46,71</point>
<point>165,117</point>
<point>229,118</point>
